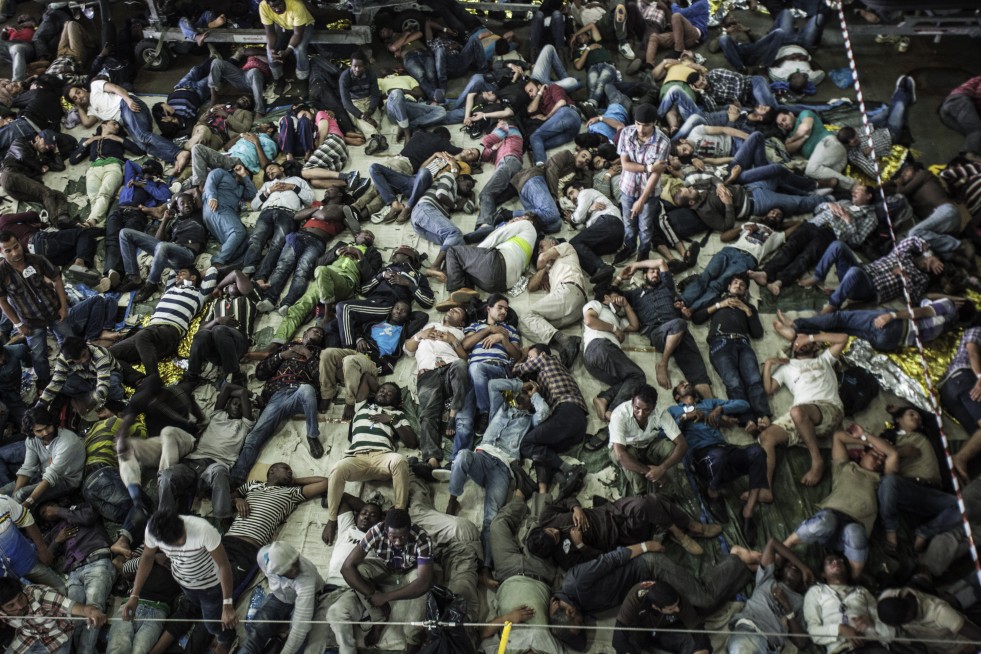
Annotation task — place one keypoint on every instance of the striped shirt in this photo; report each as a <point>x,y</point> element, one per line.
<point>97,369</point>
<point>100,442</point>
<point>191,563</point>
<point>369,436</point>
<point>241,307</point>
<point>46,622</point>
<point>178,306</point>
<point>496,353</point>
<point>881,146</point>
<point>445,186</point>
<point>31,293</point>
<point>17,553</point>
<point>965,179</point>
<point>269,506</point>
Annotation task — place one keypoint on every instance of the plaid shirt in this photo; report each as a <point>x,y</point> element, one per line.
<point>724,87</point>
<point>853,233</point>
<point>962,359</point>
<point>557,383</point>
<point>280,373</point>
<point>45,623</point>
<point>31,293</point>
<point>417,550</point>
<point>654,16</point>
<point>888,285</point>
<point>881,146</point>
<point>647,152</point>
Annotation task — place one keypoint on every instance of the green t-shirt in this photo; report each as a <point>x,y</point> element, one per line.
<point>817,132</point>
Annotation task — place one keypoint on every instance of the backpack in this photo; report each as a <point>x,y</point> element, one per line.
<point>857,387</point>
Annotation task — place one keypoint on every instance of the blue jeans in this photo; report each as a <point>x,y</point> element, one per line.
<point>745,640</point>
<point>711,118</point>
<point>837,532</point>
<point>712,281</point>
<point>491,474</point>
<point>390,183</point>
<point>556,27</point>
<point>90,584</point>
<point>241,80</point>
<point>749,152</point>
<point>433,226</point>
<point>548,62</point>
<point>11,459</point>
<point>936,229</point>
<point>597,77</point>
<point>41,648</point>
<point>761,52</point>
<point>421,65</point>
<point>299,51</point>
<point>955,394</point>
<point>209,600</point>
<point>463,441</point>
<point>450,66</point>
<point>19,54</point>
<point>894,117</point>
<point>481,375</point>
<point>785,181</point>
<point>76,386</point>
<point>854,283</point>
<point>677,98</point>
<point>536,197</point>
<point>857,324</point>
<point>298,257</point>
<point>737,365</point>
<point>272,226</point>
<point>197,79</point>
<point>105,491</point>
<point>558,130</point>
<point>765,198</point>
<point>259,634</point>
<point>138,636</point>
<point>901,495</point>
<point>405,113</point>
<point>20,127</point>
<point>37,341</point>
<point>763,95</point>
<point>165,255</point>
<point>643,224</point>
<point>140,129</point>
<point>283,405</point>
<point>227,228</point>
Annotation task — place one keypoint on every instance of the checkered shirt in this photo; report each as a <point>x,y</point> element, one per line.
<point>417,550</point>
<point>45,623</point>
<point>651,151</point>
<point>888,285</point>
<point>557,383</point>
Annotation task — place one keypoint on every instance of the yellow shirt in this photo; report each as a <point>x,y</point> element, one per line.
<point>296,14</point>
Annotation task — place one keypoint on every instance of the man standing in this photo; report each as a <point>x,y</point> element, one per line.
<point>32,297</point>
<point>643,149</point>
<point>289,28</point>
<point>199,564</point>
<point>294,587</point>
<point>401,569</point>
<point>560,276</point>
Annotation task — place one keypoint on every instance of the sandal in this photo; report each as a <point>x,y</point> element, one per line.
<point>598,440</point>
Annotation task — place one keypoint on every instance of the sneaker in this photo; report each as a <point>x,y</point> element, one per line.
<point>634,66</point>
<point>131,283</point>
<point>464,295</point>
<point>264,306</point>
<point>626,50</point>
<point>589,109</point>
<point>283,310</point>
<point>350,220</point>
<point>404,215</point>
<point>248,270</point>
<point>902,46</point>
<point>316,448</point>
<point>602,276</point>
<point>442,474</point>
<point>85,275</point>
<point>378,217</point>
<point>146,292</point>
<point>109,282</point>
<point>910,84</point>
<point>373,145</point>
<point>359,188</point>
<point>690,545</point>
<point>422,471</point>
<point>572,484</point>
<point>569,351</point>
<point>705,530</point>
<point>480,424</point>
<point>382,143</point>
<point>621,256</point>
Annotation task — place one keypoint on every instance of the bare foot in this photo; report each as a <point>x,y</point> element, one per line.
<point>108,335</point>
<point>258,355</point>
<point>218,22</point>
<point>734,172</point>
<point>757,276</point>
<point>813,476</point>
<point>831,182</point>
<point>199,38</point>
<point>437,274</point>
<point>774,287</point>
<point>661,373</point>
<point>786,331</point>
<point>747,556</point>
<point>808,283</point>
<point>486,578</point>
<point>121,548</point>
<point>601,405</point>
<point>827,308</point>
<point>183,158</point>
<point>763,423</point>
<point>752,428</point>
<point>765,496</point>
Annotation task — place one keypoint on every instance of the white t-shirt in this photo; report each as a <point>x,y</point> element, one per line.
<point>102,104</point>
<point>709,145</point>
<point>624,429</point>
<point>431,351</point>
<point>810,380</point>
<point>191,564</point>
<point>222,440</point>
<point>348,538</point>
<point>606,315</point>
<point>759,243</point>
<point>565,267</point>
